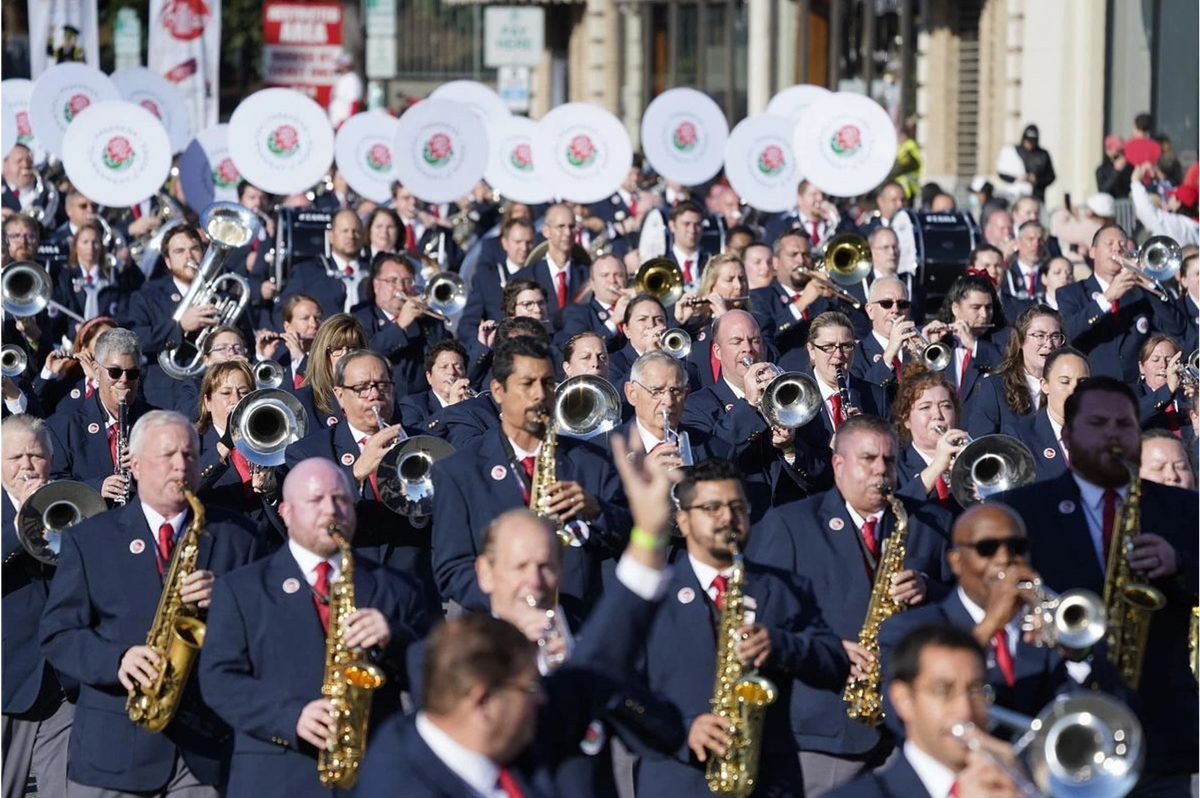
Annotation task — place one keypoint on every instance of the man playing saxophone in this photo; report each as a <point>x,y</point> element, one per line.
<point>263,664</point>
<point>102,603</point>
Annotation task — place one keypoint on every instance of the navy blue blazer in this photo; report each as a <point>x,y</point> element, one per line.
<point>897,780</point>
<point>988,411</point>
<point>817,539</point>
<point>1191,336</point>
<point>317,420</point>
<point>323,282</point>
<point>770,305</point>
<point>81,442</point>
<point>584,317</point>
<point>404,347</point>
<point>465,422</point>
<point>149,314</point>
<point>1152,404</point>
<point>112,301</point>
<point>102,601</point>
<point>264,660</point>
<point>418,406</point>
<point>1061,549</point>
<point>578,276</point>
<point>680,665</point>
<point>485,300</point>
<point>478,483</point>
<point>1111,341</point>
<point>27,678</point>
<point>869,365</point>
<point>983,362</point>
<point>1035,432</point>
<point>909,466</point>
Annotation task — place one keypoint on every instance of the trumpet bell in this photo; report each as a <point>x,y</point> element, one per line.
<point>846,258</point>
<point>264,423</point>
<point>49,511</point>
<point>790,400</point>
<point>586,406</point>
<point>662,279</point>
<point>404,475</point>
<point>26,288</point>
<point>937,356</point>
<point>1087,744</point>
<point>268,374</point>
<point>677,343</point>
<point>1160,258</point>
<point>1075,620</point>
<point>446,294</point>
<point>989,465</point>
<point>14,361</point>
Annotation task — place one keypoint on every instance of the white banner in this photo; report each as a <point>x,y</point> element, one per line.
<point>60,32</point>
<point>185,48</point>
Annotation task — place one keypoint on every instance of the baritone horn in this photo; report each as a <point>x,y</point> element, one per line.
<point>26,289</point>
<point>586,406</point>
<point>989,465</point>
<point>405,475</point>
<point>662,279</point>
<point>229,226</point>
<point>264,423</point>
<point>1157,261</point>
<point>49,511</point>
<point>14,361</point>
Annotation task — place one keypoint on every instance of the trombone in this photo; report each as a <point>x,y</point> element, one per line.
<point>844,260</point>
<point>404,475</point>
<point>1156,261</point>
<point>586,406</point>
<point>26,290</point>
<point>49,511</point>
<point>989,465</point>
<point>662,279</point>
<point>14,361</point>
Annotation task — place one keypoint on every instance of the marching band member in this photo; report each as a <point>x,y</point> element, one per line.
<point>602,314</point>
<point>79,209</point>
<point>784,636</point>
<point>889,200</point>
<point>1109,315</point>
<point>686,224</point>
<point>885,260</point>
<point>645,321</point>
<point>446,373</point>
<point>485,301</point>
<point>245,259</point>
<point>1189,301</point>
<point>301,318</point>
<point>522,299</point>
<point>760,269</point>
<point>723,287</point>
<point>86,439</point>
<point>227,478</point>
<point>813,214</point>
<point>88,285</point>
<point>1165,460</point>
<point>1014,389</point>
<point>558,274</point>
<point>476,483</point>
<point>37,718</point>
<point>19,175</point>
<point>1070,548</point>
<point>585,353</point>
<point>988,261</point>
<point>67,379</point>
<point>21,237</point>
<point>338,282</point>
<point>938,681</point>
<point>425,231</point>
<point>384,230</point>
<point>399,322</point>
<point>885,353</point>
<point>795,298</point>
<point>927,412</point>
<point>1160,401</point>
<point>837,539</point>
<point>1042,431</point>
<point>1053,275</point>
<point>264,657</point>
<point>101,605</point>
<point>337,335</point>
<point>1021,287</point>
<point>970,315</point>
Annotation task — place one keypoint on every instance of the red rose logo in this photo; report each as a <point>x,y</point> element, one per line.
<point>118,153</point>
<point>771,160</point>
<point>76,104</point>
<point>438,150</point>
<point>226,174</point>
<point>521,158</point>
<point>847,140</point>
<point>284,141</point>
<point>152,107</point>
<point>379,157</point>
<point>685,137</point>
<point>185,19</point>
<point>24,131</point>
<point>581,151</point>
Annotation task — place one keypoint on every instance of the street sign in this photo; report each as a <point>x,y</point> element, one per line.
<point>513,35</point>
<point>512,83</point>
<point>127,38</point>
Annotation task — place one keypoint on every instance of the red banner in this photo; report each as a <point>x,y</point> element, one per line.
<point>301,46</point>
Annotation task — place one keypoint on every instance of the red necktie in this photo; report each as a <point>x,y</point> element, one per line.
<point>242,466</point>
<point>89,389</point>
<point>297,380</point>
<point>362,442</point>
<point>868,535</point>
<point>720,583</point>
<point>321,594</point>
<point>508,784</point>
<point>962,372</point>
<point>896,367</point>
<point>137,211</point>
<point>953,791</point>
<point>560,281</point>
<point>816,237</point>
<point>1114,307</point>
<point>1032,283</point>
<point>687,271</point>
<point>714,363</point>
<point>633,207</point>
<point>1172,419</point>
<point>410,237</point>
<point>112,445</point>
<point>166,542</point>
<point>527,464</point>
<point>1110,517</point>
<point>943,491</point>
<point>836,401</point>
<point>349,270</point>
<point>1004,660</point>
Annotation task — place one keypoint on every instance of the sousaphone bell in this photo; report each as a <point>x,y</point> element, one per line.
<point>404,475</point>
<point>989,465</point>
<point>264,423</point>
<point>49,511</point>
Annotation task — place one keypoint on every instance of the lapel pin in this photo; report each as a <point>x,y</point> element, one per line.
<point>329,422</point>
<point>686,595</point>
<point>701,335</point>
<point>728,406</point>
<point>837,524</point>
<point>74,393</point>
<point>593,739</point>
<point>347,459</point>
<point>93,428</point>
<point>877,357</point>
<point>291,585</point>
<point>499,472</point>
<point>1049,453</point>
<point>137,546</point>
<point>1143,325</point>
<point>603,315</point>
<point>175,297</point>
<point>1066,506</point>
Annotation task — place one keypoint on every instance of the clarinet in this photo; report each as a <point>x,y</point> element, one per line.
<point>122,448</point>
<point>843,386</point>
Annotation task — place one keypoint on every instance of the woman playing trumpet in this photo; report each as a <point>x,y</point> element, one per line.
<point>926,413</point>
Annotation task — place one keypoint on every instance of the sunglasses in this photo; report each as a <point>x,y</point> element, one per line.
<point>987,548</point>
<point>115,372</point>
<point>886,304</point>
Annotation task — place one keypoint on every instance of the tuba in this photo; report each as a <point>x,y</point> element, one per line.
<point>586,406</point>
<point>740,696</point>
<point>51,509</point>
<point>1130,602</point>
<point>264,423</point>
<point>27,289</point>
<point>348,683</point>
<point>989,465</point>
<point>229,226</point>
<point>863,696</point>
<point>13,361</point>
<point>405,477</point>
<point>176,635</point>
<point>662,279</point>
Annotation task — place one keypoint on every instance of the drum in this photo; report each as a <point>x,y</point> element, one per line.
<point>299,234</point>
<point>935,247</point>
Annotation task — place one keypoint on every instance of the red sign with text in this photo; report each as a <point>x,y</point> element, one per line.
<point>301,46</point>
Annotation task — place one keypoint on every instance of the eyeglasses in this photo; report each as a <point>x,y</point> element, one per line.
<point>1054,339</point>
<point>115,372</point>
<point>662,390</point>
<point>886,304</point>
<point>233,349</point>
<point>340,351</point>
<point>713,509</point>
<point>989,546</point>
<point>363,388</point>
<point>845,348</point>
<point>532,303</point>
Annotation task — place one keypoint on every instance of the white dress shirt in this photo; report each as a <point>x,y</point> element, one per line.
<point>682,257</point>
<point>1100,299</point>
<point>705,574</point>
<point>960,355</point>
<point>1092,497</point>
<point>308,562</point>
<point>738,392</point>
<point>860,520</point>
<point>155,520</point>
<point>481,774</point>
<point>937,779</point>
<point>1035,390</point>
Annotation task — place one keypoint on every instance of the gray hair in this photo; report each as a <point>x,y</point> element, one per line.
<point>24,422</point>
<point>879,231</point>
<point>117,341</point>
<point>339,372</point>
<point>884,281</point>
<point>655,356</point>
<point>160,418</point>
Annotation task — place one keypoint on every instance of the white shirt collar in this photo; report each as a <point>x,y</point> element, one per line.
<point>308,562</point>
<point>1103,283</point>
<point>649,439</point>
<point>155,520</point>
<point>520,453</point>
<point>513,268</point>
<point>342,263</point>
<point>936,777</point>
<point>180,287</point>
<point>1035,390</point>
<point>927,458</point>
<point>1055,427</point>
<point>682,256</point>
<point>883,341</point>
<point>1092,494</point>
<point>740,394</point>
<point>826,391</point>
<point>357,433</point>
<point>441,402</point>
<point>1025,268</point>
<point>706,573</point>
<point>12,500</point>
<point>859,520</point>
<point>554,267</point>
<point>479,772</point>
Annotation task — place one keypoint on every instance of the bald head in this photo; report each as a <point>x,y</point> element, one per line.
<point>520,564</point>
<point>737,323</point>
<point>736,337</point>
<point>317,494</point>
<point>987,519</point>
<point>314,468</point>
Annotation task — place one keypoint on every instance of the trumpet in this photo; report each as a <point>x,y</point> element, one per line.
<point>445,295</point>
<point>552,632</point>
<point>935,356</point>
<point>586,406</point>
<point>1189,373</point>
<point>1074,621</point>
<point>676,342</point>
<point>1157,261</point>
<point>14,361</point>
<point>405,478</point>
<point>268,374</point>
<point>27,289</point>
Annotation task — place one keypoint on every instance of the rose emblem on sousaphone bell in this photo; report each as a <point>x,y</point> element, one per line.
<point>74,105</point>
<point>24,130</point>
<point>771,160</point>
<point>521,158</point>
<point>118,153</point>
<point>438,150</point>
<point>685,137</point>
<point>847,140</point>
<point>225,174</point>
<point>284,141</point>
<point>379,158</point>
<point>581,151</point>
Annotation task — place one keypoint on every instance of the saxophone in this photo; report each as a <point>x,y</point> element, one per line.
<point>740,697</point>
<point>1128,601</point>
<point>176,634</point>
<point>863,697</point>
<point>348,683</point>
<point>544,476</point>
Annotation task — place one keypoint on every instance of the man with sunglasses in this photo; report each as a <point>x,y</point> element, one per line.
<point>882,355</point>
<point>837,540</point>
<point>85,437</point>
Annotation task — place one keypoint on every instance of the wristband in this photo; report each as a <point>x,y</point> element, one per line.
<point>642,539</point>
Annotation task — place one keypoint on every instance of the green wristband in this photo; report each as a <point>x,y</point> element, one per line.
<point>644,540</point>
